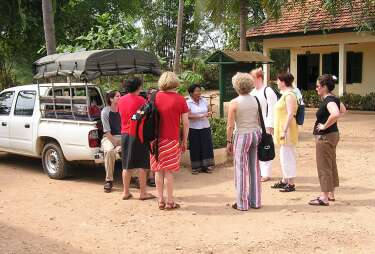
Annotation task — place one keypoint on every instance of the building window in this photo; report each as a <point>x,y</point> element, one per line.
<point>331,63</point>
<point>354,67</point>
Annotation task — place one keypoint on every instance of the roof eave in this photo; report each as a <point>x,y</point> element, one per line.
<point>301,33</point>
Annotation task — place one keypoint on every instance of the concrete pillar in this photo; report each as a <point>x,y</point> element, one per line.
<point>342,68</point>
<point>266,67</point>
<point>293,65</point>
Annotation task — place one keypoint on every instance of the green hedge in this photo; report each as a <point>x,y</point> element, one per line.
<point>351,101</point>
<point>219,132</point>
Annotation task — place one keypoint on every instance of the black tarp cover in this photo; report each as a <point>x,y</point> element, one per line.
<point>88,65</point>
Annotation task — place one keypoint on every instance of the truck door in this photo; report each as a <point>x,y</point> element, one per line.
<point>21,126</point>
<point>6,101</point>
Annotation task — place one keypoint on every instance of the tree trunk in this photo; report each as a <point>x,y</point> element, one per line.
<point>49,26</point>
<point>176,64</point>
<point>243,20</point>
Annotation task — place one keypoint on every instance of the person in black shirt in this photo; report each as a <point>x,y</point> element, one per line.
<point>327,137</point>
<point>112,136</point>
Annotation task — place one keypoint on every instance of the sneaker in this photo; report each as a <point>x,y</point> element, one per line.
<point>108,186</point>
<point>289,188</point>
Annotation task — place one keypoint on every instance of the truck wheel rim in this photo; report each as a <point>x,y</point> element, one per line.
<point>52,161</point>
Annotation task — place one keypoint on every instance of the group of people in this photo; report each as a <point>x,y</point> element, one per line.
<point>243,136</point>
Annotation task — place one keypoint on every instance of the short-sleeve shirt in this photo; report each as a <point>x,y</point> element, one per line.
<point>323,114</point>
<point>111,121</point>
<point>127,107</point>
<point>171,106</point>
<point>199,108</point>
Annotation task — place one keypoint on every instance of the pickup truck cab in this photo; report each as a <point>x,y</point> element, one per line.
<point>60,131</point>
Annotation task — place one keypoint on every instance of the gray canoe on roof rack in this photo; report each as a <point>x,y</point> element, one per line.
<point>88,65</point>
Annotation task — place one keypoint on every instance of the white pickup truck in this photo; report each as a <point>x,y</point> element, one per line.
<point>32,125</point>
<point>60,122</point>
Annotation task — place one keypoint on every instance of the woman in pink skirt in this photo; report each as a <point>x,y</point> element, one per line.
<point>172,108</point>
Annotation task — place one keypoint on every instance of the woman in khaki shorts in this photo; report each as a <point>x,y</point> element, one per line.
<point>327,137</point>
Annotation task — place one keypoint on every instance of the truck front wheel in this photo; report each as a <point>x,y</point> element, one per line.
<point>54,162</point>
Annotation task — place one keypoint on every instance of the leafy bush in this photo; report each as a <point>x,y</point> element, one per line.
<point>311,98</point>
<point>219,132</point>
<point>351,101</point>
<point>358,102</point>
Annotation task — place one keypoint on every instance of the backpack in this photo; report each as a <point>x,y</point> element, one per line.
<point>145,124</point>
<point>278,95</point>
<point>300,114</point>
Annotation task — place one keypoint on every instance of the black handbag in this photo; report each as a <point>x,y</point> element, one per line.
<point>266,147</point>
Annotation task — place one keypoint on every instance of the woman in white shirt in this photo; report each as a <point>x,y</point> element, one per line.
<point>200,139</point>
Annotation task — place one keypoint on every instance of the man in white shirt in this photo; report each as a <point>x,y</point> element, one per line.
<point>267,99</point>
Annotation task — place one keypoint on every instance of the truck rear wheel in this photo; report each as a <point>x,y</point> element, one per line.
<point>54,163</point>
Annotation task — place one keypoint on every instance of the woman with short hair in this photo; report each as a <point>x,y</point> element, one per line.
<point>286,131</point>
<point>200,139</point>
<point>243,137</point>
<point>327,137</point>
<point>172,109</point>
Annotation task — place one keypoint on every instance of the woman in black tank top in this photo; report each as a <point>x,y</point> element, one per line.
<point>327,137</point>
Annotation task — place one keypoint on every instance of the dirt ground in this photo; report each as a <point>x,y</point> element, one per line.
<point>40,215</point>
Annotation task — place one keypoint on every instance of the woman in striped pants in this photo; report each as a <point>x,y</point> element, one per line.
<point>243,123</point>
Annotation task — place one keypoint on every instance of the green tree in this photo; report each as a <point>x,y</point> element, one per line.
<point>110,32</point>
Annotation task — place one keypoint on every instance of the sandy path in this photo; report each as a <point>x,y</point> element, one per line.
<point>39,215</point>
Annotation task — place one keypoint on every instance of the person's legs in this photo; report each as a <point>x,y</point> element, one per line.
<point>288,165</point>
<point>168,178</point>
<point>195,150</point>
<point>254,174</point>
<point>142,176</point>
<point>241,170</point>
<point>207,152</point>
<point>159,180</point>
<point>126,176</point>
<point>266,170</point>
<point>109,158</point>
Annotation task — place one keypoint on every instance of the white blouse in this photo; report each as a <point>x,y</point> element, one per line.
<point>199,108</point>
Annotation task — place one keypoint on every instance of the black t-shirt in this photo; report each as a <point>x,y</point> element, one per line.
<point>322,115</point>
<point>115,123</point>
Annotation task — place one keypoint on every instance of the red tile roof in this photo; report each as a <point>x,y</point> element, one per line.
<point>312,17</point>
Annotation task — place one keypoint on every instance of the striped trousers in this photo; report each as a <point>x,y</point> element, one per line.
<point>247,171</point>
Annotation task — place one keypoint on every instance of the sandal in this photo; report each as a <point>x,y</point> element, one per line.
<point>172,206</point>
<point>161,205</point>
<point>279,185</point>
<point>331,199</point>
<point>288,188</point>
<point>195,171</point>
<point>318,202</point>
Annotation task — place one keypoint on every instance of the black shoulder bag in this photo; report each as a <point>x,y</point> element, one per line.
<point>266,148</point>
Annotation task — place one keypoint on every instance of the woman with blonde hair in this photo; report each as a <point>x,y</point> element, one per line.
<point>286,131</point>
<point>243,136</point>
<point>172,108</point>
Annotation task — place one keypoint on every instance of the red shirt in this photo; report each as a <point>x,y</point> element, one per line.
<point>170,106</point>
<point>127,107</point>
